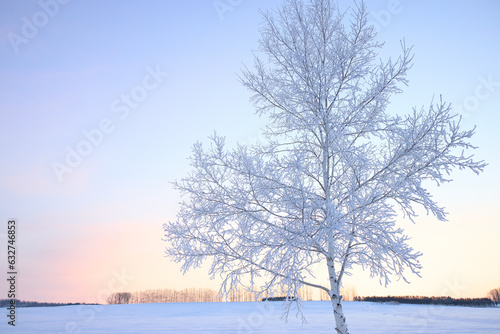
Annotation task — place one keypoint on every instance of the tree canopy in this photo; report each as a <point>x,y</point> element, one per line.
<point>335,171</point>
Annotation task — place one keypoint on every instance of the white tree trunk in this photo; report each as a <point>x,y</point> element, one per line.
<point>340,323</point>
<point>336,298</point>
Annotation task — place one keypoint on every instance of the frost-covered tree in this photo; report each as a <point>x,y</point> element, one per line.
<point>335,171</point>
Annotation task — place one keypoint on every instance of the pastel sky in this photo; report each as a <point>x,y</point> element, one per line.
<point>130,86</point>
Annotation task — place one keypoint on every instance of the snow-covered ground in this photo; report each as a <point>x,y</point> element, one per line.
<point>362,317</point>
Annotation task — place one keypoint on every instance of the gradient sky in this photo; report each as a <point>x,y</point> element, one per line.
<point>97,227</point>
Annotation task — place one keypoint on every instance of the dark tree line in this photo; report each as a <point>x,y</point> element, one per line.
<point>475,302</point>
<point>25,303</point>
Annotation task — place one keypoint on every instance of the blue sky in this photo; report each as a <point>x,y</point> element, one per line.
<point>87,60</point>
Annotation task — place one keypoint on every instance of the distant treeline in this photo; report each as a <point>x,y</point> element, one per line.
<point>193,295</point>
<point>164,296</point>
<point>475,302</point>
<point>24,303</point>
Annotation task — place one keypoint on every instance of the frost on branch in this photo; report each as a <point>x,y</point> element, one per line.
<point>337,168</point>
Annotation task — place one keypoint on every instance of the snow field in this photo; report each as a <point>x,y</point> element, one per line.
<point>249,318</point>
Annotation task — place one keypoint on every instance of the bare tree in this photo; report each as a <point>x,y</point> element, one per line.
<point>494,295</point>
<point>348,292</point>
<point>305,293</point>
<point>119,298</point>
<point>335,172</point>
<point>324,295</point>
